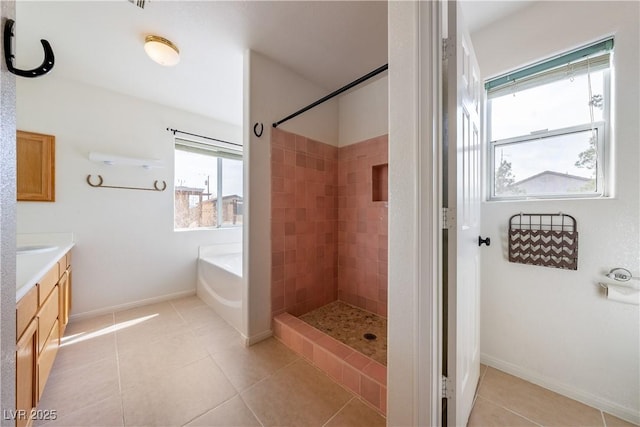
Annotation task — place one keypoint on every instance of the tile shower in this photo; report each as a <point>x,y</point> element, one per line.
<point>329,247</point>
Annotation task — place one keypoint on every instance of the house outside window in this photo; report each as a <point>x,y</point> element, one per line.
<point>548,125</point>
<point>208,191</point>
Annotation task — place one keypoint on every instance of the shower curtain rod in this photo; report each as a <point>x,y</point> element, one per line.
<point>334,93</point>
<point>174,131</point>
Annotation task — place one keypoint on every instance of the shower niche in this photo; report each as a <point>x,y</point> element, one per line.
<point>380,183</point>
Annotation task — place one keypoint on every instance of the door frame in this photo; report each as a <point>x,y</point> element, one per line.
<point>415,273</point>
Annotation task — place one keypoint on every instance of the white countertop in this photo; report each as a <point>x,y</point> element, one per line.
<point>31,267</point>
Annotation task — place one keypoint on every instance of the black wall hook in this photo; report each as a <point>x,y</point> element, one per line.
<point>257,132</point>
<point>43,69</point>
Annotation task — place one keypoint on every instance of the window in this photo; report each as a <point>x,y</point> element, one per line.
<point>547,127</point>
<point>208,186</point>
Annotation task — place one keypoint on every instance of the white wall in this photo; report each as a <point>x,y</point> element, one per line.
<point>413,362</point>
<point>272,92</point>
<point>364,112</point>
<point>552,326</point>
<point>7,228</point>
<point>126,250</point>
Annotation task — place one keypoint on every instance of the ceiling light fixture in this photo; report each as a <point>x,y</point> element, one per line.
<point>161,50</point>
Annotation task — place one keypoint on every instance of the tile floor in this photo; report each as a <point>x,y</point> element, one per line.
<point>505,400</point>
<point>177,363</point>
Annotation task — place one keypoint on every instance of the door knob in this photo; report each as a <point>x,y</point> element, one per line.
<point>486,241</point>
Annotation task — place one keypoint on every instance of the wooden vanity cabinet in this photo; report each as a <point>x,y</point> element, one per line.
<point>26,355</point>
<point>35,153</point>
<point>41,317</point>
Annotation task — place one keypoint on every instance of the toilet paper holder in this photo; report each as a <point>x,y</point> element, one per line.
<point>620,274</point>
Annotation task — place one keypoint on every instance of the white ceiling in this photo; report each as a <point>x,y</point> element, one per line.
<point>480,13</point>
<point>101,43</point>
<point>331,43</point>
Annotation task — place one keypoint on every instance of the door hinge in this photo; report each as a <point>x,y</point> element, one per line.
<point>447,388</point>
<point>448,218</point>
<point>448,47</point>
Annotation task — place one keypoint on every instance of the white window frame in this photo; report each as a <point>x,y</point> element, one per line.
<point>217,151</point>
<point>599,127</point>
<point>603,169</point>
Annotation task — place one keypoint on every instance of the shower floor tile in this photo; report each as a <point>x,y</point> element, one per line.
<point>349,324</point>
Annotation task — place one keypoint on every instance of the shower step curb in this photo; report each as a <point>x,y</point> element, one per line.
<point>350,368</point>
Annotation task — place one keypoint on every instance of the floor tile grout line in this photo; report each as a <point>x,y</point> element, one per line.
<point>115,337</point>
<point>224,373</point>
<point>477,393</point>
<point>179,314</point>
<point>252,411</point>
<point>512,411</point>
<point>81,409</point>
<point>270,375</point>
<point>239,392</point>
<point>339,410</point>
<point>206,411</point>
<point>344,387</point>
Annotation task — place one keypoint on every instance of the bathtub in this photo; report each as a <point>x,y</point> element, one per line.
<point>220,281</point>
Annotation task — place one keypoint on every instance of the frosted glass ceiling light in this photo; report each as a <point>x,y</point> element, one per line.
<point>161,50</point>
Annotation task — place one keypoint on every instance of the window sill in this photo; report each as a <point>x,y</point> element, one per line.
<point>224,227</point>
<point>549,199</point>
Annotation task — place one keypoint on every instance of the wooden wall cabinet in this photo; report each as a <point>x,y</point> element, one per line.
<point>35,166</point>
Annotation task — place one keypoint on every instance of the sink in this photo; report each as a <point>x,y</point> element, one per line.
<point>35,249</point>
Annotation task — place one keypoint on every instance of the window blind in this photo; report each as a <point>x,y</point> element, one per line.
<point>591,58</point>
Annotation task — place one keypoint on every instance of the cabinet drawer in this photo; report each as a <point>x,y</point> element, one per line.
<point>47,316</point>
<point>26,310</point>
<point>46,284</point>
<point>48,355</point>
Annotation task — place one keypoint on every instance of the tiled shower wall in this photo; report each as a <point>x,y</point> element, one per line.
<point>363,224</point>
<point>304,214</point>
<point>328,235</point>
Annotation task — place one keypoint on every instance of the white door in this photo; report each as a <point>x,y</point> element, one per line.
<point>462,176</point>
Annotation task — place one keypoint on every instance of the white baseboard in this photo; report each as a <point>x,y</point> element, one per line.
<point>134,304</point>
<point>248,341</point>
<point>597,402</point>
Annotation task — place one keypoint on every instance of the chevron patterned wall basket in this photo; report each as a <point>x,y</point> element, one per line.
<point>548,240</point>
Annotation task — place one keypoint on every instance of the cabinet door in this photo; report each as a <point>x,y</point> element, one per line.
<point>64,286</point>
<point>35,166</point>
<point>47,357</point>
<point>26,353</point>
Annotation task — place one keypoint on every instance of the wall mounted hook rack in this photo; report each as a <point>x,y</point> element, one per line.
<point>258,128</point>
<point>43,69</point>
<point>101,185</point>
